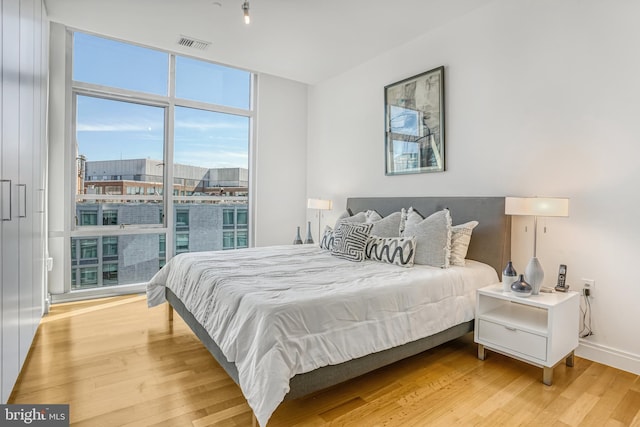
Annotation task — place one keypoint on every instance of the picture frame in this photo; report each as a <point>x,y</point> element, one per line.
<point>414,124</point>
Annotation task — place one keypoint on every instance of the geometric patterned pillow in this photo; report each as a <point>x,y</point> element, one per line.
<point>392,250</point>
<point>349,240</point>
<point>326,242</point>
<point>460,239</point>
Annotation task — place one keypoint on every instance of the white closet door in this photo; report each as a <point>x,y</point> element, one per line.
<point>25,185</point>
<point>10,171</point>
<point>3,204</point>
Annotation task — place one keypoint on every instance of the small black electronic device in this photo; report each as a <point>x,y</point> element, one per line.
<point>562,279</point>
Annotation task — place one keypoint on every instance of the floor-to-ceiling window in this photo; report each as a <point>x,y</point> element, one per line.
<point>161,143</point>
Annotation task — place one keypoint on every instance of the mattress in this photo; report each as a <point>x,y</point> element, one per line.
<point>285,310</point>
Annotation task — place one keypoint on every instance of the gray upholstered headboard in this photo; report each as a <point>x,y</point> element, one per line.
<point>491,239</point>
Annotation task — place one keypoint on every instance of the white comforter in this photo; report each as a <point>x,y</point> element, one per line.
<point>283,310</point>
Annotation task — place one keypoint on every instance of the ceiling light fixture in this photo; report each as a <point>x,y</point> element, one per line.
<point>245,10</point>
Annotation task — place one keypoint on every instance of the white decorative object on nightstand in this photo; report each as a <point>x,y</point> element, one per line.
<point>540,330</point>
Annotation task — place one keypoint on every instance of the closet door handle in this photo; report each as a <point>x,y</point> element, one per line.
<point>6,199</point>
<point>41,200</point>
<point>22,200</point>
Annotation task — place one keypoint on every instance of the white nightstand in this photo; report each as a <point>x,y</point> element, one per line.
<point>540,330</point>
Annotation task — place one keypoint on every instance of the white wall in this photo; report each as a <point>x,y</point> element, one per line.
<point>279,186</point>
<point>541,99</point>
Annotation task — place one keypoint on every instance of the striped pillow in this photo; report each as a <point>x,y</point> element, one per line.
<point>460,239</point>
<point>326,242</point>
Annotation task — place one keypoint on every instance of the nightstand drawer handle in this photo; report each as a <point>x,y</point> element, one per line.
<point>510,328</point>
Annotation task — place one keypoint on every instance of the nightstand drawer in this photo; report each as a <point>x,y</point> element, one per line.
<point>525,343</point>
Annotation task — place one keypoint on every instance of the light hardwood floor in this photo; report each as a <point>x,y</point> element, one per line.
<point>118,363</point>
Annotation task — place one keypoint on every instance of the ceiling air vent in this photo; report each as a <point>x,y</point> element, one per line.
<point>193,43</point>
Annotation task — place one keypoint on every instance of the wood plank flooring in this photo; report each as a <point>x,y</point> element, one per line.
<point>118,363</point>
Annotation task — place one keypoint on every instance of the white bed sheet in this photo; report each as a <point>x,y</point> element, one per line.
<point>284,310</point>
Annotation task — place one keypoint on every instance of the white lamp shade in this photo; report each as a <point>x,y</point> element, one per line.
<point>536,206</point>
<point>320,204</point>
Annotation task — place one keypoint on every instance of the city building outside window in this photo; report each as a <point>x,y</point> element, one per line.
<point>88,277</point>
<point>109,246</point>
<point>110,274</point>
<point>88,249</point>
<point>182,243</point>
<point>88,218</point>
<point>162,246</point>
<point>109,217</point>
<point>182,219</point>
<point>228,240</point>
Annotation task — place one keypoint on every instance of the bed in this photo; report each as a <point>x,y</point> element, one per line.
<point>321,350</point>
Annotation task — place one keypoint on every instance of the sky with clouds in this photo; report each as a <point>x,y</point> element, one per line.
<point>111,130</point>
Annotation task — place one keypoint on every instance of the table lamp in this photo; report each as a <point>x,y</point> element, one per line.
<point>535,207</point>
<point>320,205</point>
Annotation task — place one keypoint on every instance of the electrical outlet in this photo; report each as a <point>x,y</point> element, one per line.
<point>589,284</point>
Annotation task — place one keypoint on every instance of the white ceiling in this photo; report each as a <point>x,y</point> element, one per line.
<point>303,40</point>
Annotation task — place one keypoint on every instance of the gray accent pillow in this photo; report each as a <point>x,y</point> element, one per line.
<point>350,240</point>
<point>433,237</point>
<point>372,216</point>
<point>460,239</point>
<point>392,250</point>
<point>346,217</point>
<point>389,226</point>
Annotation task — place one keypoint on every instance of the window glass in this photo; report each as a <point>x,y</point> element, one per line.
<point>110,217</point>
<point>88,277</point>
<point>114,266</point>
<point>162,245</point>
<point>242,217</point>
<point>122,65</point>
<point>109,246</point>
<point>110,274</point>
<point>182,217</point>
<point>88,249</point>
<point>209,150</point>
<point>182,243</point>
<point>88,218</point>
<point>228,240</point>
<point>212,83</point>
<point>242,239</point>
<point>227,217</point>
<point>122,140</point>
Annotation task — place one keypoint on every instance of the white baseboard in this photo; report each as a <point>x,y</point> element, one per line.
<point>608,356</point>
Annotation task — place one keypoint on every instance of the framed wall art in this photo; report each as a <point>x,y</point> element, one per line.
<point>414,124</point>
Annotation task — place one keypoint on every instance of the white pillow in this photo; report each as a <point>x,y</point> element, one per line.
<point>460,239</point>
<point>433,237</point>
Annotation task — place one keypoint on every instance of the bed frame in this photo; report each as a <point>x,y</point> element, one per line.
<point>491,244</point>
